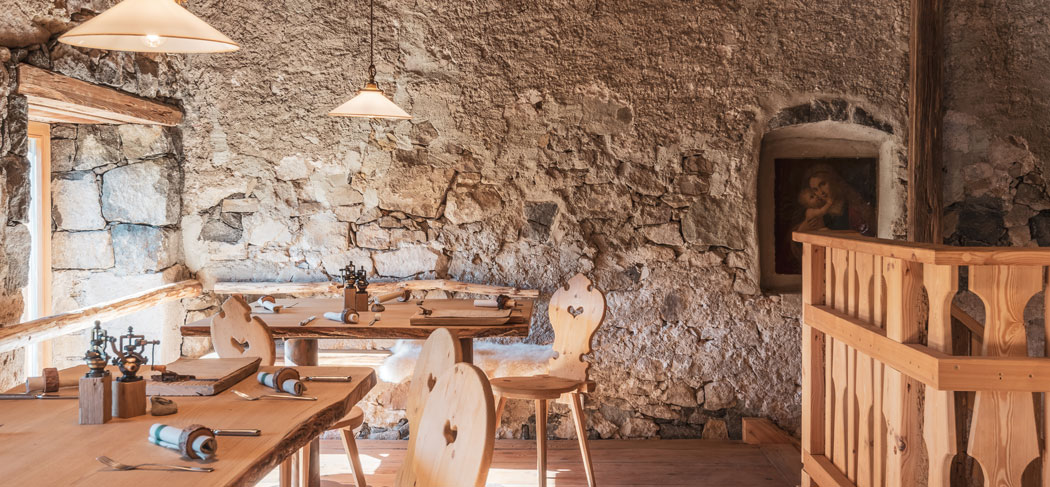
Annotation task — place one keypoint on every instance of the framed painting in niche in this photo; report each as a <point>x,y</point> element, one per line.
<point>820,194</point>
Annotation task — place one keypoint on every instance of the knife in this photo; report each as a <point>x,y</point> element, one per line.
<point>329,378</point>
<point>36,396</point>
<point>233,432</point>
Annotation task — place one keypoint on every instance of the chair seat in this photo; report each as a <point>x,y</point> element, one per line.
<point>536,386</point>
<point>353,419</point>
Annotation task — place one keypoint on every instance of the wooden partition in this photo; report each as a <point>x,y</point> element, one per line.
<point>877,337</point>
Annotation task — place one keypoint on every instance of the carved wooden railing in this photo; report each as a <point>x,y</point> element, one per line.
<point>25,333</point>
<point>863,361</point>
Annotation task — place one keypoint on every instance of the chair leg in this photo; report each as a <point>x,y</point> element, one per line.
<point>581,433</point>
<point>541,441</point>
<point>284,471</point>
<point>501,402</point>
<point>350,446</point>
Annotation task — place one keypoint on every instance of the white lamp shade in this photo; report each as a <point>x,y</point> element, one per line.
<point>149,26</point>
<point>370,102</point>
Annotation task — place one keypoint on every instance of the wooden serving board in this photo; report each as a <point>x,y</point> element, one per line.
<point>461,317</point>
<point>221,372</point>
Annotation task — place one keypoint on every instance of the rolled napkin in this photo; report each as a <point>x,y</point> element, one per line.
<point>193,441</point>
<point>284,380</point>
<point>270,303</point>
<point>344,316</point>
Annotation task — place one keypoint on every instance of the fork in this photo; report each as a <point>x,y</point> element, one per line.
<point>275,396</point>
<point>159,466</point>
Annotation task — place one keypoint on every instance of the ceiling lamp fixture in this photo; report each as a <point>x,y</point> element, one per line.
<point>149,26</point>
<point>370,102</point>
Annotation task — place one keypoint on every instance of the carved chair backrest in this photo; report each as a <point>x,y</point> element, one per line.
<point>236,333</point>
<point>456,433</point>
<point>440,353</point>
<point>576,311</point>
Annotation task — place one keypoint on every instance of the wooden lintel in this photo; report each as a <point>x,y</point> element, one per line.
<point>52,96</point>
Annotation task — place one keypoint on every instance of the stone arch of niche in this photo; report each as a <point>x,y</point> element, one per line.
<point>826,129</point>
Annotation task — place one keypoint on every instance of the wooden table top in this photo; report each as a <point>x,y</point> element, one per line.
<point>42,444</point>
<point>392,324</point>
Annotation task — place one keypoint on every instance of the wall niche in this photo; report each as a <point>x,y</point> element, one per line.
<point>826,165</point>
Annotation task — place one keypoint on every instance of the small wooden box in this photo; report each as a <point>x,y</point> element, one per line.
<point>129,399</point>
<point>96,399</point>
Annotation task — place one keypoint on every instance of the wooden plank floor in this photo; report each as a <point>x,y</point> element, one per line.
<point>640,463</point>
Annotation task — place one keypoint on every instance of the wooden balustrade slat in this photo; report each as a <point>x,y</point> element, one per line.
<point>851,372</point>
<point>1003,437</point>
<point>864,369</point>
<point>900,394</point>
<point>813,368</point>
<point>878,450</point>
<point>927,253</point>
<point>840,364</point>
<point>941,282</point>
<point>48,327</point>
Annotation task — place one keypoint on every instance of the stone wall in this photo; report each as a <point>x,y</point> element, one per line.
<point>116,205</point>
<point>14,199</point>
<point>617,138</point>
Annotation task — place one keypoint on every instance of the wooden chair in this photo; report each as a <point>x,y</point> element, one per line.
<point>236,333</point>
<point>456,432</point>
<point>576,311</point>
<point>440,353</point>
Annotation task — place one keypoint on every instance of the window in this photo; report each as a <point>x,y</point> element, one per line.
<point>38,292</point>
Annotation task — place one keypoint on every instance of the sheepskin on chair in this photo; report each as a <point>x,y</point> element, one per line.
<point>496,359</point>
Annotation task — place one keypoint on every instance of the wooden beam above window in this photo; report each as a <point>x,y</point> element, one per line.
<point>54,98</point>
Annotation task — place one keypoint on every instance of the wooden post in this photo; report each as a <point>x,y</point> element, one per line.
<point>1003,436</point>
<point>813,278</point>
<point>304,352</point>
<point>925,115</point>
<point>900,392</point>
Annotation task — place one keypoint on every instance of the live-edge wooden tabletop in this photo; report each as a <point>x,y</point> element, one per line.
<point>41,442</point>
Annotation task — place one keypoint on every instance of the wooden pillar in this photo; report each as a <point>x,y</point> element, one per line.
<point>925,113</point>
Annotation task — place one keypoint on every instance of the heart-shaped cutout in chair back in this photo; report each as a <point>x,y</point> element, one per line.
<point>575,311</point>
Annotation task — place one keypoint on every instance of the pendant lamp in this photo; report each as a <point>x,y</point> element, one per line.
<point>370,102</point>
<point>149,26</point>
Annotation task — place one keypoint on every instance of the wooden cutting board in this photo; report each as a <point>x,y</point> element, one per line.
<point>220,374</point>
<point>461,317</point>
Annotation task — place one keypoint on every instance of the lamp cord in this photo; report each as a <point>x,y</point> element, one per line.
<point>371,42</point>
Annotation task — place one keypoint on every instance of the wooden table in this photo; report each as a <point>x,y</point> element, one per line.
<point>42,444</point>
<point>301,347</point>
<point>393,323</point>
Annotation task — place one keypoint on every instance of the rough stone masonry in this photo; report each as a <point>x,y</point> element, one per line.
<point>615,138</point>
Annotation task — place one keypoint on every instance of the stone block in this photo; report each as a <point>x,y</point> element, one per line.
<point>415,190</point>
<point>97,145</point>
<point>141,248</point>
<point>17,242</point>
<point>245,205</point>
<point>63,151</point>
<point>146,193</point>
<point>406,262</point>
<point>75,202</point>
<point>81,250</point>
<point>472,204</point>
<point>143,141</point>
<point>16,171</point>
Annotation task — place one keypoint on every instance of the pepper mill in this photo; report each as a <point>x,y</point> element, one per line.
<point>129,390</point>
<point>349,279</point>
